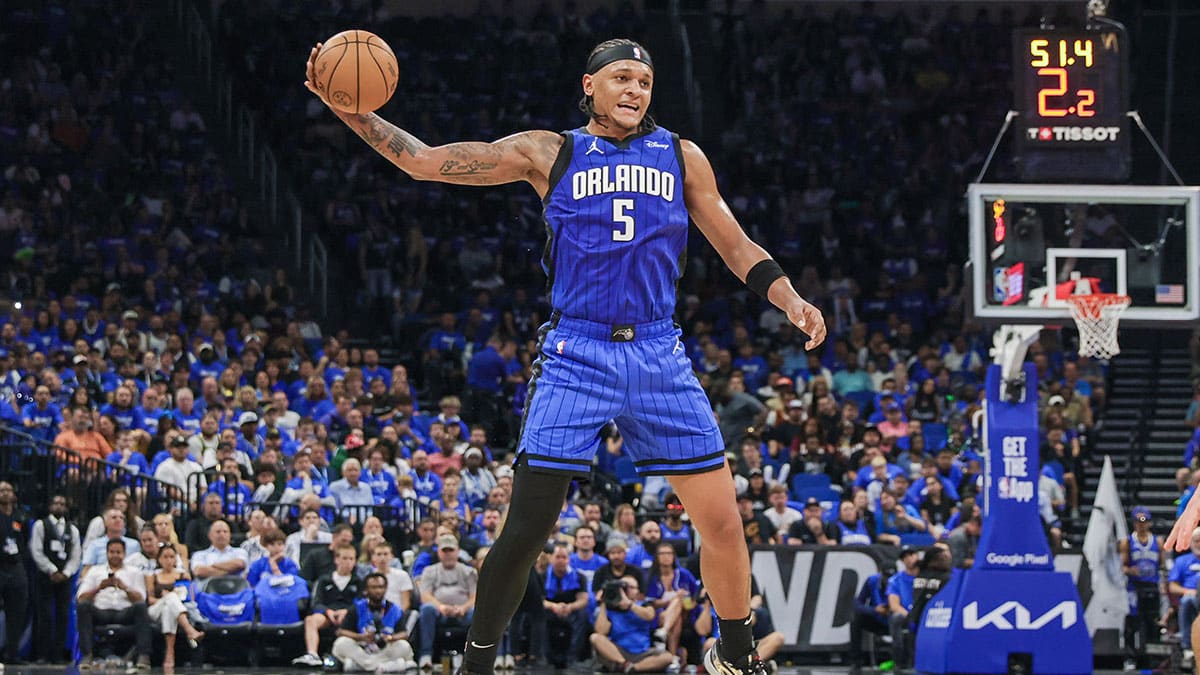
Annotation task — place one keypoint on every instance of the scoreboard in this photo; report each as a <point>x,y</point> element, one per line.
<point>1071,91</point>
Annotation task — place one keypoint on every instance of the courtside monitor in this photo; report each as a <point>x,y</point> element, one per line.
<point>1032,246</point>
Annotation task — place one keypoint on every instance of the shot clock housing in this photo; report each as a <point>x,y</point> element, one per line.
<point>1071,91</point>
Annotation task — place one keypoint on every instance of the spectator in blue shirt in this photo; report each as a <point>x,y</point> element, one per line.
<point>949,467</point>
<point>641,556</point>
<point>228,486</point>
<point>335,420</point>
<point>753,366</point>
<point>185,412</point>
<point>206,364</point>
<point>125,455</point>
<point>275,562</point>
<point>929,472</point>
<point>248,440</point>
<point>871,613</point>
<point>379,479</point>
<point>8,414</point>
<point>146,416</point>
<point>900,600</point>
<point>371,368</point>
<point>488,368</point>
<point>315,402</point>
<point>1185,572</point>
<point>41,418</point>
<point>446,340</point>
<point>122,408</point>
<point>893,519</point>
<point>426,483</point>
<point>306,481</point>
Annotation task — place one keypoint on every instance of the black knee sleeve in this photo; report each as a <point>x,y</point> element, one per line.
<point>536,501</point>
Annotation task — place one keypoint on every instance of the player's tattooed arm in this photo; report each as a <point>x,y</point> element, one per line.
<point>525,156</point>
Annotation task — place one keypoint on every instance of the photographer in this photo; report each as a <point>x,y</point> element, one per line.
<point>372,635</point>
<point>623,625</point>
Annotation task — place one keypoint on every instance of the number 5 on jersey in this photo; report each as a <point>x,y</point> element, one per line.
<point>620,206</point>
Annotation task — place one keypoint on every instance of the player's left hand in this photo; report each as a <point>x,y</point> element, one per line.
<point>1180,538</point>
<point>808,318</point>
<point>310,74</point>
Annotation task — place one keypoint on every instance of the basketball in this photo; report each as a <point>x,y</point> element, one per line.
<point>357,71</point>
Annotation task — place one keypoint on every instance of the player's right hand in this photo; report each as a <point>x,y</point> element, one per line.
<point>310,74</point>
<point>1180,538</point>
<point>805,316</point>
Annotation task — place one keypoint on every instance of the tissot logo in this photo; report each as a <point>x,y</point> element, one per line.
<point>1012,615</point>
<point>1074,134</point>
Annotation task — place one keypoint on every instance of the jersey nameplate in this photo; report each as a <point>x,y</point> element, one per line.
<point>646,180</point>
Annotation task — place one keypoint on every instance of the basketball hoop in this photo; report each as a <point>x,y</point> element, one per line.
<point>1096,316</point>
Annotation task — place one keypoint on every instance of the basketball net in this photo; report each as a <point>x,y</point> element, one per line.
<point>1097,316</point>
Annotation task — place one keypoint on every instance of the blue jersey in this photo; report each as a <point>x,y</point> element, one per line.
<point>617,227</point>
<point>1143,557</point>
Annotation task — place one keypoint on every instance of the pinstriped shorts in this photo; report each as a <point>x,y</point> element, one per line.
<point>638,376</point>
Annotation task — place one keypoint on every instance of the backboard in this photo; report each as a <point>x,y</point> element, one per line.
<point>1033,245</point>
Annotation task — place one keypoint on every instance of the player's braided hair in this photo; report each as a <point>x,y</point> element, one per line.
<point>585,103</point>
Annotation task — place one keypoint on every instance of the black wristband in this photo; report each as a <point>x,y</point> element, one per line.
<point>762,275</point>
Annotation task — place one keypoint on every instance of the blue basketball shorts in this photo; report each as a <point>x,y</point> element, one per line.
<point>639,376</point>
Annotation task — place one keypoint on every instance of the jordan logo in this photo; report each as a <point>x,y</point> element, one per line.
<point>594,148</point>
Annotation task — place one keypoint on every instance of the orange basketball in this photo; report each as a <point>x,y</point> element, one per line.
<point>357,71</point>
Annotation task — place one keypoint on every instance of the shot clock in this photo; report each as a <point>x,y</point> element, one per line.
<point>1071,92</point>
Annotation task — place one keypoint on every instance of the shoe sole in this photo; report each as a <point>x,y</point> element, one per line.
<point>716,666</point>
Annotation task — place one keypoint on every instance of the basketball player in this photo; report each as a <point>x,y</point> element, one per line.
<point>617,195</point>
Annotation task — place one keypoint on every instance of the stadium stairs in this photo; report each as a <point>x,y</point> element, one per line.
<point>207,82</point>
<point>1143,429</point>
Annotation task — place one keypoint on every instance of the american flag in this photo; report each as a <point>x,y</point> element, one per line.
<point>1168,294</point>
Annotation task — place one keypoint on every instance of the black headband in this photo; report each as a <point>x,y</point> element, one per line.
<point>619,52</point>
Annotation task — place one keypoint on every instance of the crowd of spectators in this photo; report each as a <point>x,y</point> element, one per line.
<point>308,468</point>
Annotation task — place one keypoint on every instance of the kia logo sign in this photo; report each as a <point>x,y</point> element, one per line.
<point>1022,619</point>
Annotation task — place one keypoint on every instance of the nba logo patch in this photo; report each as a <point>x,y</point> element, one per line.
<point>561,344</point>
<point>637,53</point>
<point>999,284</point>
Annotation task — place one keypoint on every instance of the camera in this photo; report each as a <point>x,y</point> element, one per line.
<point>614,593</point>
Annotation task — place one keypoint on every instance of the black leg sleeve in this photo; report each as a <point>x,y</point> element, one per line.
<point>536,501</point>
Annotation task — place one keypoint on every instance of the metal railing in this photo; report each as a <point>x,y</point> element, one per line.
<point>238,124</point>
<point>399,521</point>
<point>36,468</point>
<point>695,101</point>
<point>40,469</point>
<point>318,272</point>
<point>99,477</point>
